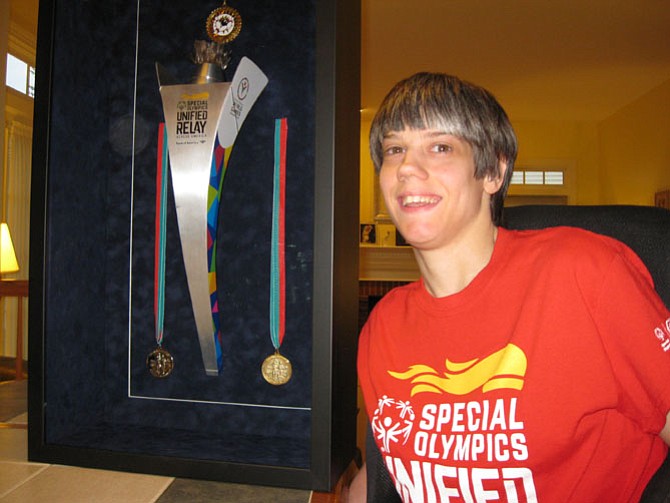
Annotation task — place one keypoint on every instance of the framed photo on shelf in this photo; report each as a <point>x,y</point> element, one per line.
<point>368,234</point>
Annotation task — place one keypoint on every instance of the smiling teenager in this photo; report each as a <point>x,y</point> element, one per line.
<point>523,365</point>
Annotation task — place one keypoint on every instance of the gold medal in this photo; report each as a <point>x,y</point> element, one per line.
<point>224,24</point>
<point>276,369</point>
<point>160,363</point>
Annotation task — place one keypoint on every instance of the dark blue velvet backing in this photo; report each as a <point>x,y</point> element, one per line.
<point>98,395</point>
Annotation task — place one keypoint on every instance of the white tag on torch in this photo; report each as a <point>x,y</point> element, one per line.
<point>248,83</point>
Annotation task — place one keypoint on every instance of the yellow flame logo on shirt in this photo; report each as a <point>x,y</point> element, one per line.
<point>503,369</point>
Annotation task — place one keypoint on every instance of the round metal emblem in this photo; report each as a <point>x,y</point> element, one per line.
<point>276,369</point>
<point>224,24</point>
<point>160,363</point>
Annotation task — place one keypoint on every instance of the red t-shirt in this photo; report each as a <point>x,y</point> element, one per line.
<point>546,379</point>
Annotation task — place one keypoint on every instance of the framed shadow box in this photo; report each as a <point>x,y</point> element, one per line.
<point>114,232</point>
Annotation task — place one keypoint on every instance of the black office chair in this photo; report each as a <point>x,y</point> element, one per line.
<point>645,229</point>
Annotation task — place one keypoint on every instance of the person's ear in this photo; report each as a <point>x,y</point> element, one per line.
<point>492,183</point>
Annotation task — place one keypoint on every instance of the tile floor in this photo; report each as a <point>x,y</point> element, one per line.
<point>25,482</point>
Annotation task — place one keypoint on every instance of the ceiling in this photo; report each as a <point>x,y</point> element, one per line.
<point>544,60</point>
<point>567,60</point>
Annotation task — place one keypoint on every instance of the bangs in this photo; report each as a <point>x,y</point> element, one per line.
<point>446,104</point>
<point>417,112</point>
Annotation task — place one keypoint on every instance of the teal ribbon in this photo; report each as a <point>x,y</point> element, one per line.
<point>161,218</point>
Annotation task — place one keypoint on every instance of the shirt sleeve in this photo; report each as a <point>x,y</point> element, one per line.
<point>635,328</point>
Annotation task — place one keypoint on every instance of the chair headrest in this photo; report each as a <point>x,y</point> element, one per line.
<point>645,229</point>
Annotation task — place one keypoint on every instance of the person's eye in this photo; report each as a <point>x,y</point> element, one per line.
<point>392,150</point>
<point>442,147</point>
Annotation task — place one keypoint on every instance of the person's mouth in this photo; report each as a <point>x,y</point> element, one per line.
<point>418,201</point>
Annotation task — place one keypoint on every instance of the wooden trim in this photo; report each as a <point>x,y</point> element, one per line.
<point>16,288</point>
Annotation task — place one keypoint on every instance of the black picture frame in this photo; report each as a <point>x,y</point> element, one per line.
<point>334,279</point>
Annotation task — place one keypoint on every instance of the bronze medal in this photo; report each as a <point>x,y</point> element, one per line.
<point>224,24</point>
<point>276,369</point>
<point>160,362</point>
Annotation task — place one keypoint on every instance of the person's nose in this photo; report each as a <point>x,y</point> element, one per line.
<point>412,165</point>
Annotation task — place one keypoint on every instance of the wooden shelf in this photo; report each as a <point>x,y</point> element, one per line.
<point>387,263</point>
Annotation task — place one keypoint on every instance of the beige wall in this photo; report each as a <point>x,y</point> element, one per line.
<point>635,150</point>
<point>368,181</point>
<point>570,146</point>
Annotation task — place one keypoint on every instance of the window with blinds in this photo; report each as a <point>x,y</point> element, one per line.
<point>20,76</point>
<point>537,177</point>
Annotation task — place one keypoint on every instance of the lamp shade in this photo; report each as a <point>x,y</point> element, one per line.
<point>8,262</point>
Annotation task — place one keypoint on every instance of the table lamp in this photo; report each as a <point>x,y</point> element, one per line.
<point>8,262</point>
